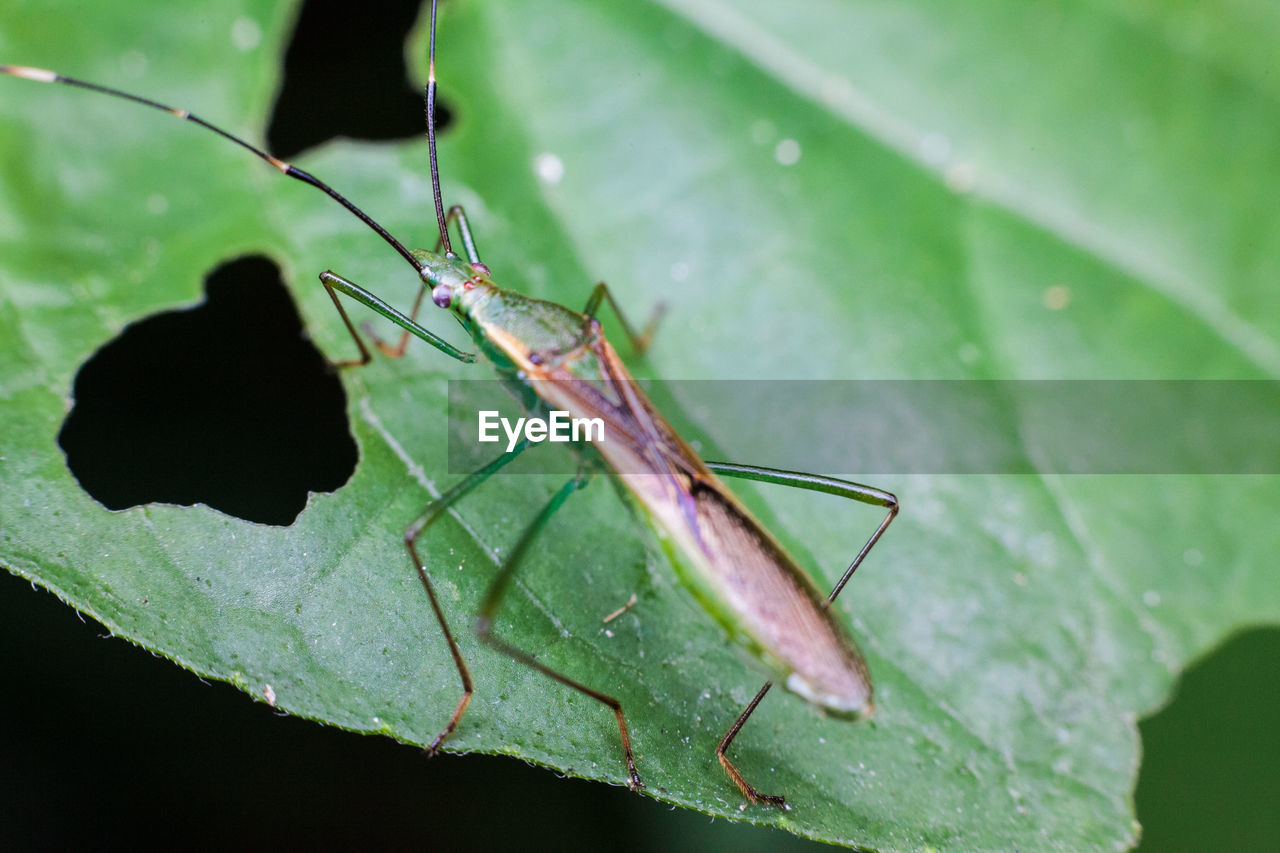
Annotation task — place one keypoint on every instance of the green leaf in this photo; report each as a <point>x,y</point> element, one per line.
<point>955,163</point>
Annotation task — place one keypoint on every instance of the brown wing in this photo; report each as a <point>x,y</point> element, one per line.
<point>780,604</point>
<point>736,569</point>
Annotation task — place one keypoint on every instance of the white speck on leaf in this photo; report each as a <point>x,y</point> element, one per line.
<point>549,168</point>
<point>245,34</point>
<point>787,152</point>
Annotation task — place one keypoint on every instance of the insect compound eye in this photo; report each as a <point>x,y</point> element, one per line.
<point>442,295</point>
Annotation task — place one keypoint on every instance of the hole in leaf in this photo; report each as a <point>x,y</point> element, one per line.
<point>351,81</point>
<point>226,404</point>
<point>1209,768</point>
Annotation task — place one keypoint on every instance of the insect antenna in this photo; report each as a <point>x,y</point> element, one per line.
<point>43,76</point>
<point>431,135</point>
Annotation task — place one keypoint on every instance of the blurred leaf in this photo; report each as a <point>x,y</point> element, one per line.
<point>833,190</point>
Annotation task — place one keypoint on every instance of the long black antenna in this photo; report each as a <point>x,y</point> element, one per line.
<point>431,135</point>
<point>42,76</point>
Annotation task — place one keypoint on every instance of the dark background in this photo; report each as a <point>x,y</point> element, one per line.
<point>111,746</point>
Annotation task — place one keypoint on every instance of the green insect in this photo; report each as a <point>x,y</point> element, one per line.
<point>554,359</point>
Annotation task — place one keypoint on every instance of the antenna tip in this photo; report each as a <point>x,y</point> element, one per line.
<point>38,74</point>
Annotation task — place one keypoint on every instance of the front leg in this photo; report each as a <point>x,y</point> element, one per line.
<point>455,214</point>
<point>334,284</point>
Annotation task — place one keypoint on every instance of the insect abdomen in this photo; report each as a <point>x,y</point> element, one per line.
<point>779,607</point>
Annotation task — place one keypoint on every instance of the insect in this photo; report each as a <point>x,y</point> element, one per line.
<point>553,358</point>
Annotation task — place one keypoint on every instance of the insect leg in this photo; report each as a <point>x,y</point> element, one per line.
<point>456,214</point>
<point>485,628</point>
<point>817,483</point>
<point>591,326</point>
<point>334,283</point>
<point>429,515</point>
<point>639,342</point>
<point>828,485</point>
<point>748,790</point>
